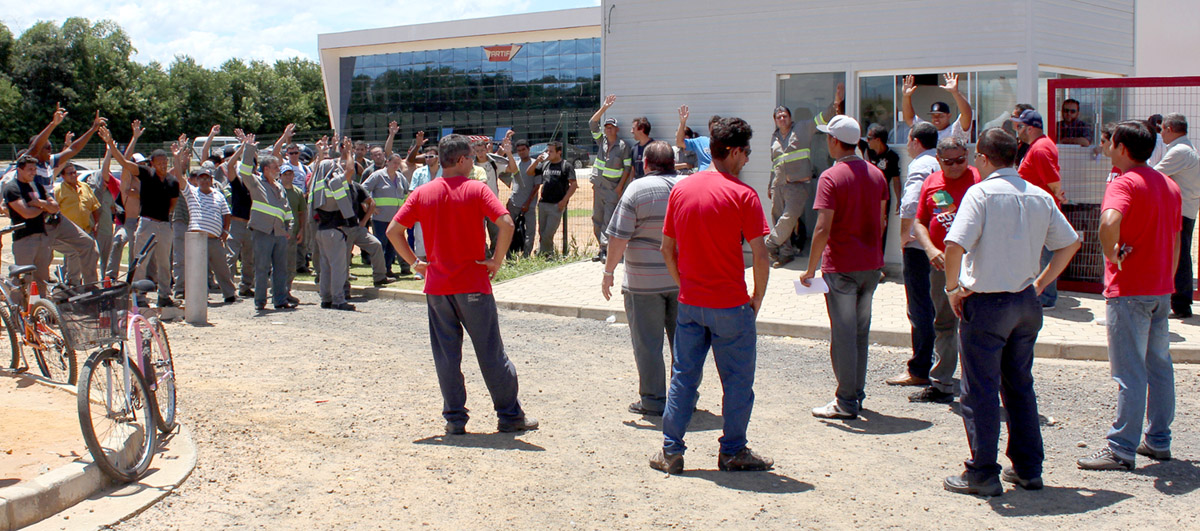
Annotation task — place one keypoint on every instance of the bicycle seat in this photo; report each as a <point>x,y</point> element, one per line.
<point>144,285</point>
<point>15,271</point>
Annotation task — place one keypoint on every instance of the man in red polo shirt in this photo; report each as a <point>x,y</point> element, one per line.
<point>1040,167</point>
<point>458,288</point>
<point>708,216</point>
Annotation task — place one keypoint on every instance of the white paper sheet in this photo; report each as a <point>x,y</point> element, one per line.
<point>818,285</point>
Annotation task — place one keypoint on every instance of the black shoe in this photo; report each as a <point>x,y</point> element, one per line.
<point>931,394</point>
<point>961,485</point>
<point>669,463</point>
<point>1010,475</point>
<point>246,292</point>
<point>1105,459</point>
<point>164,302</point>
<point>231,299</point>
<point>1181,313</point>
<point>292,299</point>
<point>391,274</point>
<point>326,305</point>
<point>1158,455</point>
<point>527,423</point>
<point>285,306</point>
<point>345,306</point>
<point>638,408</point>
<point>405,271</point>
<point>303,270</point>
<point>454,428</point>
<point>745,460</point>
<point>382,283</point>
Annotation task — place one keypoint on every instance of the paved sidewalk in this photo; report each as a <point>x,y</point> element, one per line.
<point>1070,330</point>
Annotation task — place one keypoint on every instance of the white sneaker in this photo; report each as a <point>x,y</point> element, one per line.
<point>832,411</point>
<point>1101,321</point>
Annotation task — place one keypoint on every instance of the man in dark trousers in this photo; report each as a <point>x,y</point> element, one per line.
<point>458,289</point>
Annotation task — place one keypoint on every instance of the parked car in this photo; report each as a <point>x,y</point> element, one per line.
<point>218,143</point>
<point>578,156</point>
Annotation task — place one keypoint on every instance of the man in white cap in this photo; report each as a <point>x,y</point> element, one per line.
<point>852,195</point>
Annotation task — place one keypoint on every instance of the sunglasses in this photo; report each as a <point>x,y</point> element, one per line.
<point>954,161</point>
<point>1071,111</point>
<point>746,150</point>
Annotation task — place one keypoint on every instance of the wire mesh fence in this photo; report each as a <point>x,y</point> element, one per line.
<point>576,229</point>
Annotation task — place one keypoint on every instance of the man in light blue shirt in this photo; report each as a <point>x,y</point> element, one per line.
<point>698,145</point>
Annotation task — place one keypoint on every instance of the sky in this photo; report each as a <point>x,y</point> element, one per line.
<point>212,32</point>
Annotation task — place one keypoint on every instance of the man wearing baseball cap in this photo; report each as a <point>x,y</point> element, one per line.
<point>1040,167</point>
<point>852,196</point>
<point>610,173</point>
<point>939,111</point>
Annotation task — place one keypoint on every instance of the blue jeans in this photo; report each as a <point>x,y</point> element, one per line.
<point>1141,364</point>
<point>731,334</point>
<point>389,252</point>
<point>271,261</point>
<point>920,311</point>
<point>997,333</point>
<point>1049,296</point>
<point>1181,300</point>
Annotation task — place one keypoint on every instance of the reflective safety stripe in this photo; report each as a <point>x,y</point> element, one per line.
<point>611,173</point>
<point>628,162</point>
<point>820,119</point>
<point>791,156</point>
<point>389,201</point>
<point>270,210</point>
<point>597,135</point>
<point>245,169</point>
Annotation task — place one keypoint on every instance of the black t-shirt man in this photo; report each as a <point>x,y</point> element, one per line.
<point>638,154</point>
<point>556,178</point>
<point>15,190</point>
<point>239,200</point>
<point>157,194</point>
<point>358,196</point>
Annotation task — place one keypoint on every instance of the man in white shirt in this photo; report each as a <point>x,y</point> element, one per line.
<point>939,112</point>
<point>208,213</point>
<point>1181,163</point>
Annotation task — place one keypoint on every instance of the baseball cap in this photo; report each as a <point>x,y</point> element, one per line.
<point>611,121</point>
<point>286,168</point>
<point>139,158</point>
<point>843,128</point>
<point>940,106</point>
<point>1030,118</point>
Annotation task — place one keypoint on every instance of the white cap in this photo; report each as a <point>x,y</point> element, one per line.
<point>843,128</point>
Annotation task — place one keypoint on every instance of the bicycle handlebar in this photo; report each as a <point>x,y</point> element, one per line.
<point>141,256</point>
<point>11,228</point>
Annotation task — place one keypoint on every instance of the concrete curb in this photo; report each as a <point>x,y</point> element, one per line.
<point>32,501</point>
<point>1095,351</point>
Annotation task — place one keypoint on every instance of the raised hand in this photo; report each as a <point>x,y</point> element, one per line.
<point>239,134</point>
<point>683,114</point>
<point>322,143</point>
<point>249,139</point>
<point>393,127</point>
<point>214,131</point>
<point>841,93</point>
<point>60,114</point>
<point>610,100</point>
<point>420,138</point>
<point>183,139</point>
<point>289,131</point>
<point>951,82</point>
<point>910,85</point>
<point>137,129</point>
<point>105,135</point>
<point>98,121</point>
<point>68,138</point>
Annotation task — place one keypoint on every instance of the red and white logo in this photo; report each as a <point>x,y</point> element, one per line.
<point>501,53</point>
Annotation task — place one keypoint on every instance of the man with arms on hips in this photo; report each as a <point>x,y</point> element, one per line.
<point>791,171</point>
<point>993,252</point>
<point>940,196</point>
<point>709,214</point>
<point>1040,167</point>
<point>851,208</point>
<point>458,289</point>
<point>922,144</point>
<point>610,173</point>
<point>1140,225</point>
<point>1182,165</point>
<point>558,185</point>
<point>651,294</point>
<point>939,111</point>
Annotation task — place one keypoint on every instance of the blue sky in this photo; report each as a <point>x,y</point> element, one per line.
<point>212,32</point>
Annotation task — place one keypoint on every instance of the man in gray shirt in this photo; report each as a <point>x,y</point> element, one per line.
<point>993,279</point>
<point>651,294</point>
<point>524,197</point>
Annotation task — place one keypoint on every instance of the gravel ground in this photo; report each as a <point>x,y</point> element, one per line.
<point>316,419</point>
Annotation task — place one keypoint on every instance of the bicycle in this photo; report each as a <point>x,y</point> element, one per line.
<point>123,396</point>
<point>34,322</point>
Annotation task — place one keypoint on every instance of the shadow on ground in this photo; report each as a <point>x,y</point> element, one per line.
<point>1173,478</point>
<point>702,420</point>
<point>494,441</point>
<point>1054,501</point>
<point>876,423</point>
<point>764,482</point>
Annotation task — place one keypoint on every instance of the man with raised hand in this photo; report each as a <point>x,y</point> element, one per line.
<point>41,149</point>
<point>458,289</point>
<point>709,214</point>
<point>939,111</point>
<point>330,206</point>
<point>610,173</point>
<point>209,215</point>
<point>270,223</point>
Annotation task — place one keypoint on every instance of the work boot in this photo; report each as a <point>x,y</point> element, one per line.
<point>745,460</point>
<point>669,463</point>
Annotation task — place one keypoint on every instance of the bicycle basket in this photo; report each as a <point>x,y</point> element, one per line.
<point>93,315</point>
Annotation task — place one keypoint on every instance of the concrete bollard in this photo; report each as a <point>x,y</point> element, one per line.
<point>195,258</point>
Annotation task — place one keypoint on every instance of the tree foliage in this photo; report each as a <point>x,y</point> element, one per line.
<point>87,67</point>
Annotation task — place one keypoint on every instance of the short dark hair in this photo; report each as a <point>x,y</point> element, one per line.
<point>1071,100</point>
<point>521,142</point>
<point>215,158</point>
<point>712,121</point>
<point>359,143</point>
<point>729,133</point>
<point>877,131</point>
<point>926,134</point>
<point>688,133</point>
<point>660,158</point>
<point>1177,122</point>
<point>782,108</point>
<point>1106,130</point>
<point>1154,123</point>
<point>641,123</point>
<point>431,148</point>
<point>453,147</point>
<point>1022,107</point>
<point>26,160</point>
<point>998,145</point>
<point>556,145</point>
<point>1136,137</point>
<point>159,153</point>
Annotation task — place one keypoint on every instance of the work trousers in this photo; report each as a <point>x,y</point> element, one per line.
<point>649,315</point>
<point>79,251</point>
<point>945,329</point>
<point>161,262</point>
<point>389,252</point>
<point>549,218</point>
<point>35,250</point>
<point>241,246</point>
<point>604,203</point>
<point>104,244</point>
<point>218,266</point>
<point>849,305</point>
<point>449,315</point>
<point>358,236</point>
<point>333,266</point>
<point>271,251</point>
<point>788,204</point>
<point>179,228</point>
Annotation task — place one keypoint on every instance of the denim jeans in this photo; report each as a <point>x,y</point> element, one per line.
<point>731,334</point>
<point>389,252</point>
<point>1049,296</point>
<point>920,311</point>
<point>1181,300</point>
<point>271,254</point>
<point>997,334</point>
<point>475,312</point>
<point>1141,364</point>
<point>849,304</point>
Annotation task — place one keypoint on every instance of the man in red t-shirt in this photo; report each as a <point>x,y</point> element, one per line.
<point>458,288</point>
<point>1040,167</point>
<point>1140,222</point>
<point>851,210</point>
<point>940,196</point>
<point>708,216</point>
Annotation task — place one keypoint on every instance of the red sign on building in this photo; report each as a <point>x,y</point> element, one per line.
<point>501,53</point>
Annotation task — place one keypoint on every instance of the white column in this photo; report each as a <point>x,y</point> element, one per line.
<point>195,256</point>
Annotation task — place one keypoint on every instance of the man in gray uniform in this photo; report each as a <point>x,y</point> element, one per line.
<point>387,187</point>
<point>329,202</point>
<point>270,224</point>
<point>610,173</point>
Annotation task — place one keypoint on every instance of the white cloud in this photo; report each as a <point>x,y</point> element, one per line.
<point>268,30</point>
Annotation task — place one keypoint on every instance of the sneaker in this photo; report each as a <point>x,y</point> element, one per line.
<point>1010,475</point>
<point>960,484</point>
<point>231,299</point>
<point>345,306</point>
<point>525,424</point>
<point>638,408</point>
<point>1105,459</point>
<point>905,378</point>
<point>832,411</point>
<point>669,463</point>
<point>454,428</point>
<point>931,394</point>
<point>782,261</point>
<point>1159,455</point>
<point>745,460</point>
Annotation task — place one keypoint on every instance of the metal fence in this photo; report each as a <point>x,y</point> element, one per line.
<point>576,229</point>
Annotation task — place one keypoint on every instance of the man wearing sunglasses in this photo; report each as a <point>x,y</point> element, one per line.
<point>1072,130</point>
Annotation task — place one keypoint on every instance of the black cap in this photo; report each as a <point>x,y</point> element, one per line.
<point>940,106</point>
<point>229,150</point>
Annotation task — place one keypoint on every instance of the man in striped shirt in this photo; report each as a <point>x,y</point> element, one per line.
<point>651,294</point>
<point>209,213</point>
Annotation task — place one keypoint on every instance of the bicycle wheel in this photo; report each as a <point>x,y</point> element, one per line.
<point>160,372</point>
<point>6,322</point>
<point>57,359</point>
<point>116,416</point>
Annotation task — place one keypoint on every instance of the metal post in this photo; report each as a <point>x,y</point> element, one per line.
<point>565,218</point>
<point>195,246</point>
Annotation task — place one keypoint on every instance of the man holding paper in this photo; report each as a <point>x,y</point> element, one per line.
<point>852,196</point>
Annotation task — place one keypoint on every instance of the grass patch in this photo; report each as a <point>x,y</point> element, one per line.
<point>579,213</point>
<point>514,267</point>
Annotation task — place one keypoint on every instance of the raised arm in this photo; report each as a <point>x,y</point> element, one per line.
<point>231,165</point>
<point>78,144</point>
<point>348,158</point>
<point>411,160</point>
<point>910,86</point>
<point>838,106</point>
<point>680,142</point>
<point>129,168</point>
<point>965,112</point>
<point>180,151</point>
<point>206,151</point>
<point>608,102</point>
<point>283,139</point>
<point>137,133</point>
<point>40,140</point>
<point>393,128</point>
